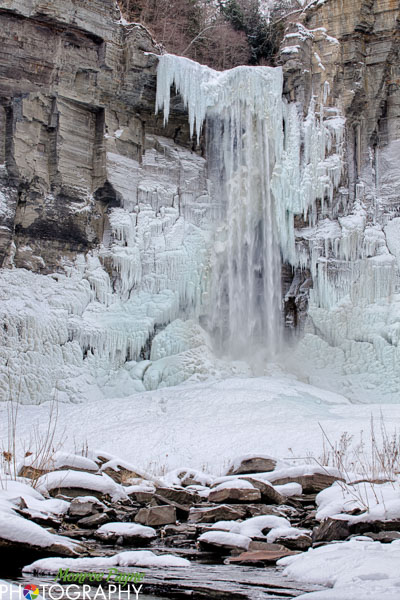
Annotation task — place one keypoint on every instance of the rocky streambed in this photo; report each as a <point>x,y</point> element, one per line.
<point>189,533</point>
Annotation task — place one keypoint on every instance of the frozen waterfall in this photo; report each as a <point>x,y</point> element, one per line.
<point>243,109</point>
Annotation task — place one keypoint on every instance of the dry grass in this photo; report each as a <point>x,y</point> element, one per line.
<point>365,463</point>
<point>42,443</point>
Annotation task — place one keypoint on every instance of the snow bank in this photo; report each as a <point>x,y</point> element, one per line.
<point>205,418</point>
<point>375,501</point>
<point>355,569</point>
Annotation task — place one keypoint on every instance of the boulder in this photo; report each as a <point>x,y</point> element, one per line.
<point>189,477</point>
<point>331,530</point>
<point>22,540</point>
<point>385,537</point>
<point>262,557</point>
<point>72,484</point>
<point>142,497</point>
<point>257,510</point>
<point>212,514</point>
<point>311,484</point>
<point>85,506</point>
<point>156,515</point>
<point>178,495</point>
<point>375,526</point>
<point>301,542</point>
<point>252,464</point>
<point>94,521</point>
<point>228,492</point>
<point>121,474</point>
<point>269,494</point>
<point>182,510</point>
<point>33,467</point>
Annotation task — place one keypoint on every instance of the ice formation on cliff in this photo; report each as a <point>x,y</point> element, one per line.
<point>354,308</point>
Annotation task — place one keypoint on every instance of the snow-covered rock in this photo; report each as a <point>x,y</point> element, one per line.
<point>75,483</point>
<point>140,558</point>
<point>126,532</point>
<point>221,541</point>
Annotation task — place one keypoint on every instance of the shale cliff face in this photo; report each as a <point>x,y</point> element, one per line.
<point>71,76</point>
<point>107,214</point>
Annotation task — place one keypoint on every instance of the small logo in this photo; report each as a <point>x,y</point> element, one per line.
<point>31,592</point>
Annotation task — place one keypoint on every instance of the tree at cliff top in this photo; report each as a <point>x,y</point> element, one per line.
<point>219,33</point>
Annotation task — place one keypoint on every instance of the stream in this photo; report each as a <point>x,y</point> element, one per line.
<point>199,581</point>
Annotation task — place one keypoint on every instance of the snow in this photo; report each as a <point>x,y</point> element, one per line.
<point>17,529</point>
<point>354,569</point>
<point>253,527</point>
<point>178,477</point>
<point>195,424</point>
<point>126,530</point>
<point>300,471</point>
<point>234,483</point>
<point>140,558</point>
<point>289,489</point>
<point>288,533</point>
<point>375,501</point>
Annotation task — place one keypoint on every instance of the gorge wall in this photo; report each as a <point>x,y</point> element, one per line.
<point>107,215</point>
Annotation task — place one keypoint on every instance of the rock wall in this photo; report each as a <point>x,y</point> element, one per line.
<point>345,56</point>
<point>71,76</point>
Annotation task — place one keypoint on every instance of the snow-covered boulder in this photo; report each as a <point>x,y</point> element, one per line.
<point>237,490</point>
<point>85,506</point>
<point>355,569</point>
<point>76,483</point>
<point>221,541</point>
<point>139,558</point>
<point>251,463</point>
<point>126,533</point>
<point>33,466</point>
<point>21,539</point>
